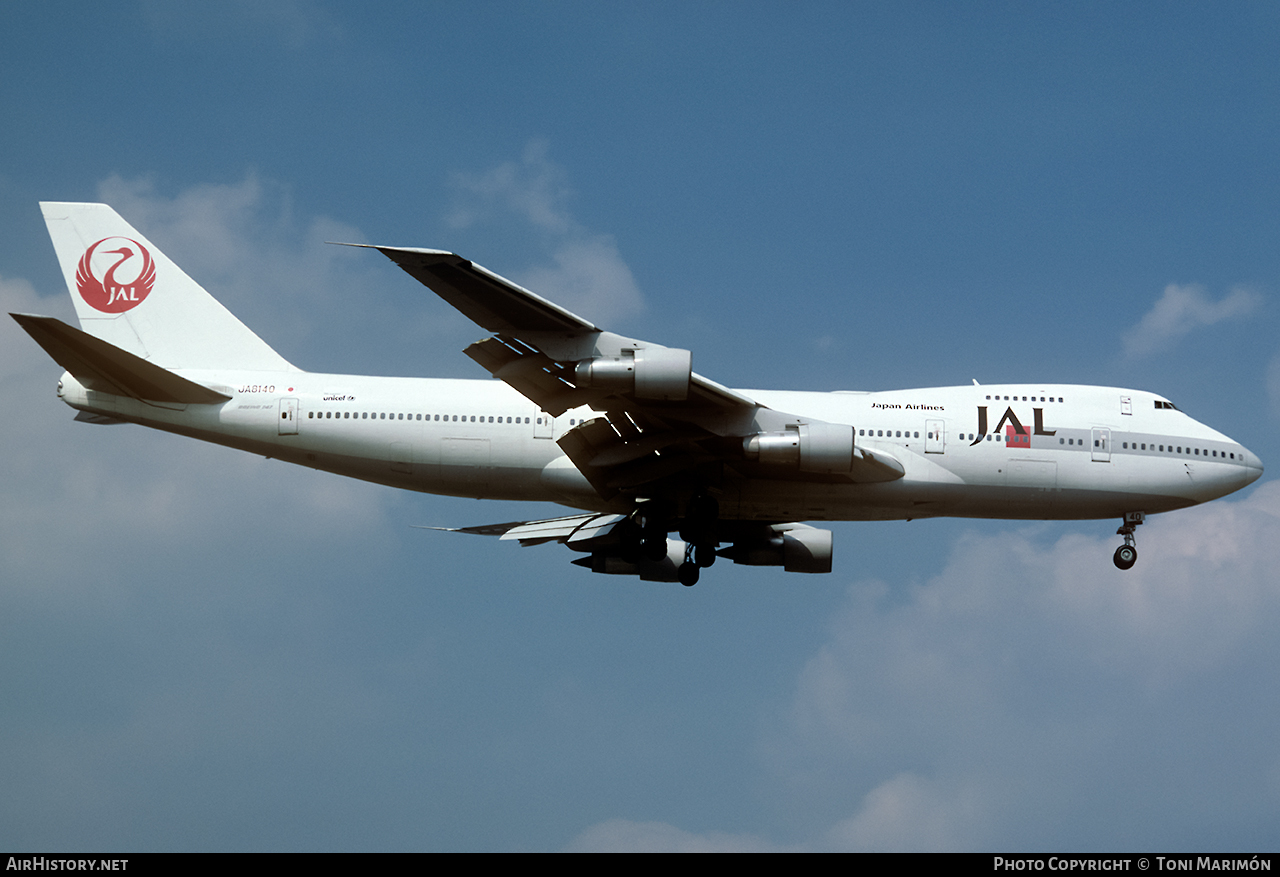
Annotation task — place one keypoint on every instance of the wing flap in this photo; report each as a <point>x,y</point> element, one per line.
<point>533,374</point>
<point>579,532</point>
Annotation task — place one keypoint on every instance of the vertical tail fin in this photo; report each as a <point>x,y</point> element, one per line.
<point>131,295</point>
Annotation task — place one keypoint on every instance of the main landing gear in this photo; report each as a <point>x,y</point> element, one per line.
<point>1127,554</point>
<point>697,531</point>
<point>699,534</point>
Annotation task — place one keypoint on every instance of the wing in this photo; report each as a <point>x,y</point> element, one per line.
<point>662,430</point>
<point>612,543</point>
<point>578,531</point>
<point>605,539</point>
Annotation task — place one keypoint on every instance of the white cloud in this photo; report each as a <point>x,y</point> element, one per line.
<point>1273,384</point>
<point>242,238</point>
<point>1036,681</point>
<point>1182,309</point>
<point>314,302</point>
<point>622,835</point>
<point>586,273</point>
<point>75,492</point>
<point>133,561</point>
<point>589,278</point>
<point>1032,696</point>
<point>910,813</point>
<point>18,296</point>
<point>295,23</point>
<point>533,188</point>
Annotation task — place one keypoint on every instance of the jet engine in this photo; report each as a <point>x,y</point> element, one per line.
<point>809,447</point>
<point>794,547</point>
<point>650,373</point>
<point>621,562</point>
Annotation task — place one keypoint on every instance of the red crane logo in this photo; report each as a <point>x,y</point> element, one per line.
<point>125,283</point>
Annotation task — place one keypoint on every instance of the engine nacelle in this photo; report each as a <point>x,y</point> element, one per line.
<point>611,562</point>
<point>799,548</point>
<point>651,373</point>
<point>809,447</point>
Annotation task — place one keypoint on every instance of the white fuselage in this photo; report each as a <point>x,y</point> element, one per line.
<point>1036,452</point>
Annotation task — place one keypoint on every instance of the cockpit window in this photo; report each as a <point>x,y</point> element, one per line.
<point>1160,403</point>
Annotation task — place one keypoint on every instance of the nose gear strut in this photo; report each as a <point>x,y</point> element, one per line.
<point>1127,554</point>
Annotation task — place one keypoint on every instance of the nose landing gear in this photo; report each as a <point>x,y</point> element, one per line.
<point>1127,554</point>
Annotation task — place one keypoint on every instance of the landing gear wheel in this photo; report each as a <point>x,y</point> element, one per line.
<point>688,573</point>
<point>1125,557</point>
<point>704,554</point>
<point>1127,554</point>
<point>655,548</point>
<point>703,508</point>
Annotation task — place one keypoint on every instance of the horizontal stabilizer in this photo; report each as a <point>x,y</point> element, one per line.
<point>106,368</point>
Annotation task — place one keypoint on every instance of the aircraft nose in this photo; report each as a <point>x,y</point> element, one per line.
<point>1253,464</point>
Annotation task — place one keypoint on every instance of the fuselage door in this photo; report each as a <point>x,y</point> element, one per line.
<point>401,457</point>
<point>1101,444</point>
<point>288,417</point>
<point>542,425</point>
<point>934,437</point>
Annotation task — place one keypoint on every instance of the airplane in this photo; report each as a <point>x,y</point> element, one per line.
<point>620,430</point>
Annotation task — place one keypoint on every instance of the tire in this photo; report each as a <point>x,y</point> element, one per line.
<point>688,573</point>
<point>655,549</point>
<point>704,554</point>
<point>1125,557</point>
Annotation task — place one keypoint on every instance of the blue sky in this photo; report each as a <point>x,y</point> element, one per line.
<point>205,650</point>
